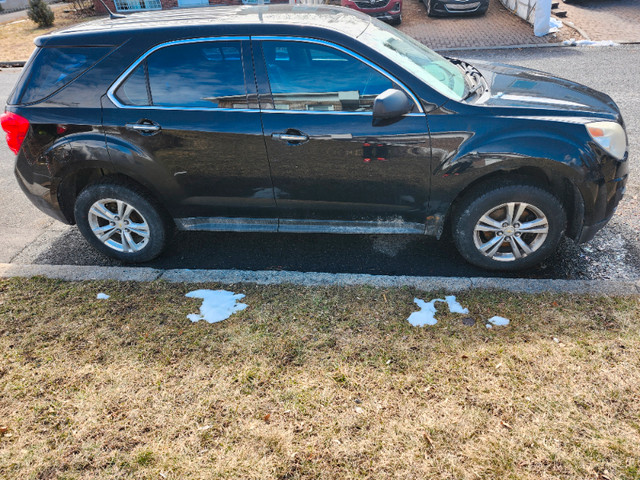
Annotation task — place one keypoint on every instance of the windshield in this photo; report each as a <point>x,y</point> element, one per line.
<point>424,63</point>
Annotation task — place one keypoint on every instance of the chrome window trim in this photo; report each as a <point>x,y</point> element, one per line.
<point>348,52</point>
<point>324,112</point>
<point>111,92</point>
<point>123,77</point>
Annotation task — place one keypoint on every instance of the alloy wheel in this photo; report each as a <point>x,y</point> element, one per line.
<point>510,231</point>
<point>118,225</point>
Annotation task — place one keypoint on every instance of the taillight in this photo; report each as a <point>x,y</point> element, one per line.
<point>16,128</point>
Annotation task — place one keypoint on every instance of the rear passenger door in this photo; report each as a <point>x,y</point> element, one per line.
<point>184,120</point>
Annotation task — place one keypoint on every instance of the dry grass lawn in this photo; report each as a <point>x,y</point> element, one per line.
<point>314,383</point>
<point>16,36</point>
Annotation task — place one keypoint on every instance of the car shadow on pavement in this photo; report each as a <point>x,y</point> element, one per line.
<point>410,255</point>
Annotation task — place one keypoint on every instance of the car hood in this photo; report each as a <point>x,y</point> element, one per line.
<point>524,88</point>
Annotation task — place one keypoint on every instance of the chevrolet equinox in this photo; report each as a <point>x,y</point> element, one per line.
<point>306,119</point>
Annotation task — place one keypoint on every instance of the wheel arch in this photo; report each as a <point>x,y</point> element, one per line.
<point>73,182</point>
<point>559,186</point>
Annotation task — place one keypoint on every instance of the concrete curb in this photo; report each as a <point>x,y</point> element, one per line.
<point>529,45</point>
<point>268,277</point>
<point>19,64</point>
<point>501,47</point>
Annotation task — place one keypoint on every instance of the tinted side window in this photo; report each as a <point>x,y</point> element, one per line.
<point>205,74</point>
<point>53,68</point>
<point>307,76</point>
<point>134,91</point>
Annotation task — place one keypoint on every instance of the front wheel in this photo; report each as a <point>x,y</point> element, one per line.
<point>121,221</point>
<point>508,228</point>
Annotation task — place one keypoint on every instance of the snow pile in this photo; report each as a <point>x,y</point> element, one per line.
<point>217,305</point>
<point>102,296</point>
<point>426,316</point>
<point>554,25</point>
<point>590,43</point>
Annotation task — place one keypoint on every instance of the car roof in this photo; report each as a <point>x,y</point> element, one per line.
<point>215,20</point>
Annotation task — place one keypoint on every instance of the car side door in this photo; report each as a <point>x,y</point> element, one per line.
<point>333,167</point>
<point>184,120</point>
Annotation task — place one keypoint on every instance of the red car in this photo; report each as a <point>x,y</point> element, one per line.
<point>387,10</point>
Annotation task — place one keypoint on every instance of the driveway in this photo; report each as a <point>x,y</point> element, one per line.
<point>497,28</point>
<point>617,20</point>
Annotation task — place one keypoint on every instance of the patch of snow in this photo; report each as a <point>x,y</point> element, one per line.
<point>488,325</point>
<point>217,305</point>
<point>590,43</point>
<point>426,316</point>
<point>498,321</point>
<point>454,306</point>
<point>102,296</point>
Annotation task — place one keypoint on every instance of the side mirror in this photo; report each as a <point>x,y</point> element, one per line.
<point>390,104</point>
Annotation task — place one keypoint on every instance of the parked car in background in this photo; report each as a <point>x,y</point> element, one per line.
<point>306,120</point>
<point>388,10</point>
<point>447,8</point>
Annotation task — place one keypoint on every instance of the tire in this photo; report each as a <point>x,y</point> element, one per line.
<point>482,218</point>
<point>138,234</point>
<point>428,5</point>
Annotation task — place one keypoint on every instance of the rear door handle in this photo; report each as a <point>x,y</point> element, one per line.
<point>143,127</point>
<point>295,138</point>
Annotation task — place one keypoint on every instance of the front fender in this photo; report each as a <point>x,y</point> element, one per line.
<point>561,160</point>
<point>461,159</point>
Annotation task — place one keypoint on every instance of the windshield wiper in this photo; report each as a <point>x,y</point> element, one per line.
<point>478,86</point>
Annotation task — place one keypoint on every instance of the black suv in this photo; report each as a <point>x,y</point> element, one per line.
<point>306,119</point>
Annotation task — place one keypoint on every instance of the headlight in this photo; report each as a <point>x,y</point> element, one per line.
<point>610,136</point>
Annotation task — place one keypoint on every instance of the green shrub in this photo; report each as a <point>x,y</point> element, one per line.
<point>40,13</point>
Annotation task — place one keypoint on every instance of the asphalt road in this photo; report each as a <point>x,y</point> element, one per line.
<point>28,236</point>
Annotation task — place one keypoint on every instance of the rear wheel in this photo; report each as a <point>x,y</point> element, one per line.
<point>508,228</point>
<point>121,221</point>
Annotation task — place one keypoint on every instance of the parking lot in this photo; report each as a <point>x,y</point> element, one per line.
<point>496,28</point>
<point>617,20</point>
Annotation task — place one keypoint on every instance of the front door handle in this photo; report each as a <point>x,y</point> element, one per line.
<point>290,137</point>
<point>143,127</point>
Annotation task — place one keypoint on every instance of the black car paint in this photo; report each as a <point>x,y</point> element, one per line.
<point>419,165</point>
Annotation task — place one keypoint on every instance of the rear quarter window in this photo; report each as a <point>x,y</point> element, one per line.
<point>51,68</point>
